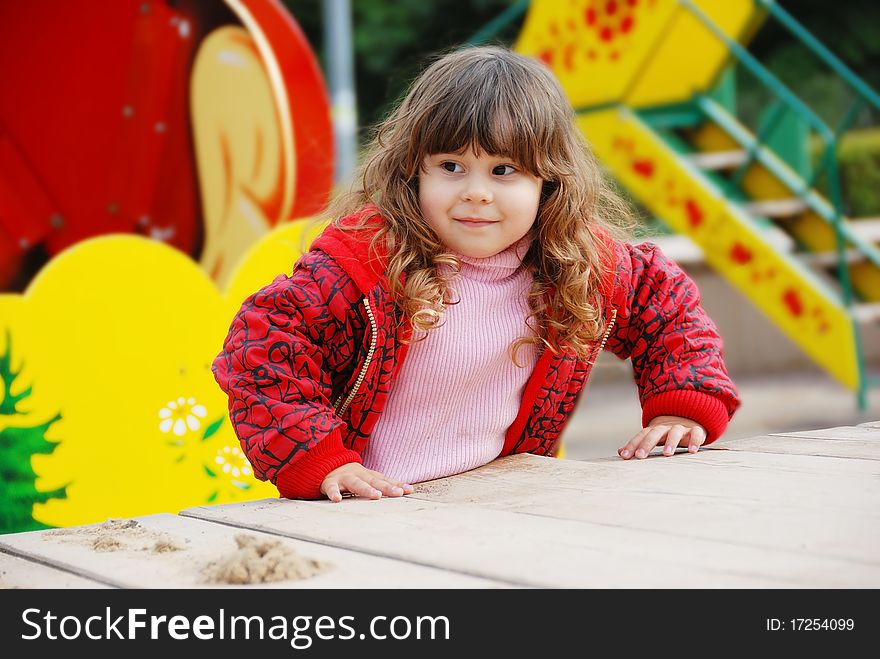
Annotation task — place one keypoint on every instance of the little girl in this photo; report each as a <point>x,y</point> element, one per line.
<point>453,312</point>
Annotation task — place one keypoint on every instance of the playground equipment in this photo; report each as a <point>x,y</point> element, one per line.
<point>198,124</point>
<point>650,82</point>
<point>153,154</point>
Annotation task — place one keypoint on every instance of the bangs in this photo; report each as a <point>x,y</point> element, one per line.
<point>492,110</point>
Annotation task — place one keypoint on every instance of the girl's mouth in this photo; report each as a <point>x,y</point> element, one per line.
<point>475,222</point>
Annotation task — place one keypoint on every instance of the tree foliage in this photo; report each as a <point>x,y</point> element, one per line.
<point>394,38</point>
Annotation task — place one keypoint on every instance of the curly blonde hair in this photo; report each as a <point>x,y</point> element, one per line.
<point>493,100</point>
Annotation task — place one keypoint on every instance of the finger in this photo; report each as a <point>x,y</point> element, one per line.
<point>650,440</point>
<point>627,451</point>
<point>360,487</point>
<point>331,489</point>
<point>673,437</point>
<point>406,487</point>
<point>387,487</point>
<point>697,439</point>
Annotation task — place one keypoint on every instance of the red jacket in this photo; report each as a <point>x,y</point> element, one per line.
<point>309,360</point>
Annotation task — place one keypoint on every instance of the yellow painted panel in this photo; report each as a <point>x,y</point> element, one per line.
<point>666,185</point>
<point>245,175</point>
<point>272,255</point>
<point>690,56</point>
<point>866,280</point>
<point>594,47</point>
<point>117,334</point>
<point>641,52</point>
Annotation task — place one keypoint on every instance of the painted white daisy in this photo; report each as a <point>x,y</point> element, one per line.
<point>232,461</point>
<point>180,415</point>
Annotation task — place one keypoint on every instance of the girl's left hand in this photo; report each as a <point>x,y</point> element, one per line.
<point>676,430</point>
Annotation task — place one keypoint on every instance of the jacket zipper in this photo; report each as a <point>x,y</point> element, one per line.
<point>357,385</point>
<point>373,335</point>
<point>605,336</point>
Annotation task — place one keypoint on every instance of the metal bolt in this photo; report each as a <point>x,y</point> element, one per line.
<point>160,127</point>
<point>57,220</point>
<point>145,8</point>
<point>144,221</point>
<point>24,243</point>
<point>127,111</point>
<point>163,234</point>
<point>112,208</point>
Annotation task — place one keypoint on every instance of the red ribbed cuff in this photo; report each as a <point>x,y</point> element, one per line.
<point>302,479</point>
<point>707,410</point>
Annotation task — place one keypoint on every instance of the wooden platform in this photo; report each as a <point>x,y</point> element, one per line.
<point>792,510</point>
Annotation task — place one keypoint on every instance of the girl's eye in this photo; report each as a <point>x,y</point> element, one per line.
<point>453,167</point>
<point>503,170</point>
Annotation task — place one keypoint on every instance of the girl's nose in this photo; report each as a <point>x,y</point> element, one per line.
<point>476,191</point>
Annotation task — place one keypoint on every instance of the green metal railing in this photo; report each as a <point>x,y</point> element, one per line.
<point>828,163</point>
<point>493,27</point>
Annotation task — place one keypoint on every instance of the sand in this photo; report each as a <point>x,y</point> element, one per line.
<point>118,535</point>
<point>262,561</point>
<point>256,560</point>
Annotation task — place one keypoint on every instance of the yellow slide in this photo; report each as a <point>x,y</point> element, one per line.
<point>775,240</point>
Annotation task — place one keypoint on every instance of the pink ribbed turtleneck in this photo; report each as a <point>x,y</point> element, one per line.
<point>458,390</point>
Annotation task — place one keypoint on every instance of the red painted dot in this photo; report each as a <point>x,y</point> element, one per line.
<point>824,327</point>
<point>591,54</point>
<point>610,7</point>
<point>569,58</point>
<point>615,55</point>
<point>607,34</point>
<point>547,57</point>
<point>643,168</point>
<point>694,212</point>
<point>554,29</point>
<point>590,16</point>
<point>740,254</point>
<point>626,24</point>
<point>793,301</point>
<point>632,3</point>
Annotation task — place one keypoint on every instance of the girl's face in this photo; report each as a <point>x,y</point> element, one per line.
<point>478,204</point>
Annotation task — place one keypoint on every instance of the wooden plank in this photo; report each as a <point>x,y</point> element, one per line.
<point>862,449</point>
<point>715,475</point>
<point>535,550</point>
<point>17,572</point>
<point>689,496</point>
<point>131,561</point>
<point>840,432</point>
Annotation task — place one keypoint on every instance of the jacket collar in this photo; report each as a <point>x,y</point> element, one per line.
<point>350,248</point>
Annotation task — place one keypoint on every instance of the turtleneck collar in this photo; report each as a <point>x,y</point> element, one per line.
<point>497,267</point>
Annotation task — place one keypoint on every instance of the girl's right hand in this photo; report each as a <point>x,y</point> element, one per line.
<point>357,479</point>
